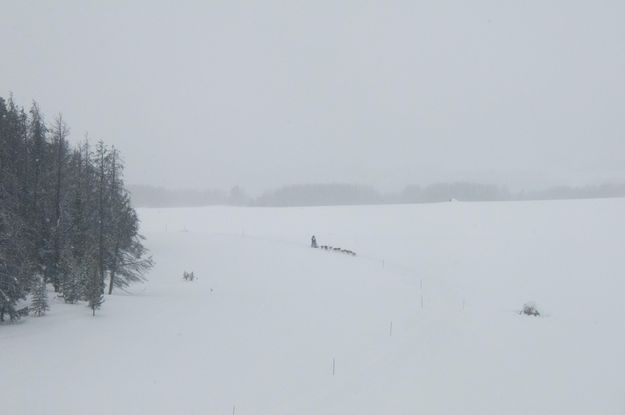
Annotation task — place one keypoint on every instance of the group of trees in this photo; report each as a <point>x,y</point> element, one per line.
<point>153,196</point>
<point>319,195</point>
<point>349,194</point>
<point>443,192</point>
<point>65,216</point>
<point>323,194</point>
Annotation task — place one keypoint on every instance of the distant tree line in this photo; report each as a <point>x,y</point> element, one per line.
<point>154,196</point>
<point>350,194</point>
<point>320,195</point>
<point>605,190</point>
<point>66,220</point>
<point>443,192</point>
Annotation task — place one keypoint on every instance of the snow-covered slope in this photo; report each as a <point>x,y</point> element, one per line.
<point>260,329</point>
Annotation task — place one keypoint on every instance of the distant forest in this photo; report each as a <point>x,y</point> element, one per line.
<point>348,194</point>
<point>66,220</point>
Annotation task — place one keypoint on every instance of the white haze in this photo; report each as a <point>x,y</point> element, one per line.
<point>262,94</point>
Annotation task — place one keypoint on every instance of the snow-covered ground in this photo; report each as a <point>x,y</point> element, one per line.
<point>258,332</point>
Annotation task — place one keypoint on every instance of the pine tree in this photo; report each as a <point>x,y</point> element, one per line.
<point>101,162</point>
<point>73,277</point>
<point>58,231</point>
<point>15,267</point>
<point>38,185</point>
<point>39,304</point>
<point>95,288</point>
<point>128,259</point>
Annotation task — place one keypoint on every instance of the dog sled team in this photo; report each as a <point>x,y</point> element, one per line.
<point>313,244</point>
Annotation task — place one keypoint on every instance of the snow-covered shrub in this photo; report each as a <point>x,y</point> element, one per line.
<point>530,309</point>
<point>188,276</point>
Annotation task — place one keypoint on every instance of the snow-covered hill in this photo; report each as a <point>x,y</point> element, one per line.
<point>260,330</point>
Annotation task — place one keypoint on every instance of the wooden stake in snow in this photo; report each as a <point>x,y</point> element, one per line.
<point>333,366</point>
<point>233,409</point>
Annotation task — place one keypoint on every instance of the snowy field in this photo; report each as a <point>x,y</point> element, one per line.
<point>258,332</point>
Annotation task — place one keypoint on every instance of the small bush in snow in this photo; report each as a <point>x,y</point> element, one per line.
<point>188,276</point>
<point>529,309</point>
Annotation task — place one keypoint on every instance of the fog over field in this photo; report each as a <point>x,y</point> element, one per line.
<point>312,207</point>
<point>329,194</point>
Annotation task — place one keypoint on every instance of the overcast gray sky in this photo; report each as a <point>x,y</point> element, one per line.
<point>261,94</point>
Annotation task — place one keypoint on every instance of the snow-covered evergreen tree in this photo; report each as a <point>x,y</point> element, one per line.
<point>59,209</point>
<point>14,267</point>
<point>15,248</point>
<point>73,277</point>
<point>94,292</point>
<point>128,260</point>
<point>39,303</point>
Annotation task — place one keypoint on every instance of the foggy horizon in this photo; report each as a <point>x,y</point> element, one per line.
<point>210,96</point>
<point>256,192</point>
